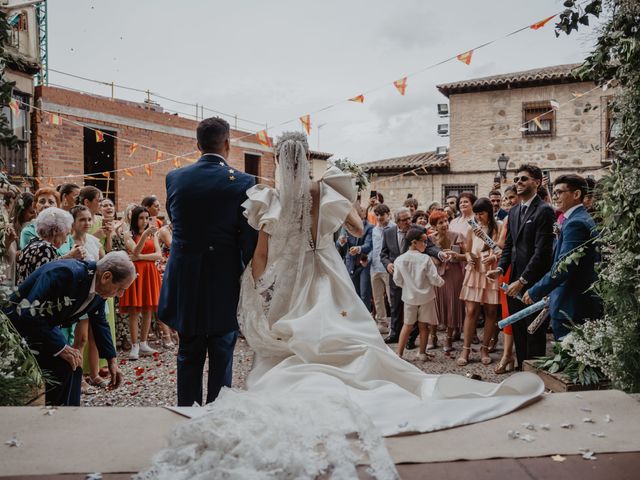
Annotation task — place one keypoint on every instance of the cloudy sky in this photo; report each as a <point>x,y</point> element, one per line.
<point>273,61</point>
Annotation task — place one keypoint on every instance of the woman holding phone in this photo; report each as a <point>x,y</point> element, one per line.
<point>141,298</point>
<point>449,307</point>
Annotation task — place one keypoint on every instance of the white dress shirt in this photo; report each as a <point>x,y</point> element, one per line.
<point>416,274</point>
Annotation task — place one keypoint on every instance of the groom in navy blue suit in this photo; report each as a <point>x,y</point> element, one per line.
<point>67,290</point>
<point>569,290</point>
<point>212,242</point>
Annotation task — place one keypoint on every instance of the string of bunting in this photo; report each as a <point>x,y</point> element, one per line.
<point>262,135</point>
<point>401,83</point>
<point>56,118</point>
<point>555,105</point>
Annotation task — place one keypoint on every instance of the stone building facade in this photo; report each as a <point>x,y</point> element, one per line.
<point>545,116</point>
<point>22,63</point>
<point>69,150</point>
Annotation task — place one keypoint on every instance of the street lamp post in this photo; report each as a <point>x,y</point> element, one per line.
<point>503,161</point>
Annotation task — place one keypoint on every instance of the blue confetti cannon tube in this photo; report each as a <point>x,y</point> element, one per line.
<point>516,317</point>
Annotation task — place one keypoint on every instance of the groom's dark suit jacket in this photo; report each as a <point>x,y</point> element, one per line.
<point>50,284</point>
<point>212,242</point>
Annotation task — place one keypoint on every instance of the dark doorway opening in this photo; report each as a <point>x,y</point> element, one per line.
<point>252,164</point>
<point>99,157</point>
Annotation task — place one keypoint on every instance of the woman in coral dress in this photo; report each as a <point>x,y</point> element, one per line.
<point>141,298</point>
<point>477,289</point>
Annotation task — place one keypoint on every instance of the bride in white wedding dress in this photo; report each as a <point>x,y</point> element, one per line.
<point>321,369</point>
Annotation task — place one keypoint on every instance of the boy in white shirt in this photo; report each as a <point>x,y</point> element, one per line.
<point>416,274</point>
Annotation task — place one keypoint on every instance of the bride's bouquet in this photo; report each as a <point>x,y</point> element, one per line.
<point>355,170</point>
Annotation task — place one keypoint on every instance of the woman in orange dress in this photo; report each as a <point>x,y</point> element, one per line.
<point>141,298</point>
<point>477,289</point>
<point>507,361</point>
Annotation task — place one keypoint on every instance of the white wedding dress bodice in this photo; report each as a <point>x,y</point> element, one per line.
<point>322,370</point>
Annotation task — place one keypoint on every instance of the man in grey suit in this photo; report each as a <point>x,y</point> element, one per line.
<point>394,245</point>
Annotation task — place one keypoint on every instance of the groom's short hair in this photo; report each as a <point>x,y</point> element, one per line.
<point>212,133</point>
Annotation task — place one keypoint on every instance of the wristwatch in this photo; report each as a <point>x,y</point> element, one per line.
<point>523,281</point>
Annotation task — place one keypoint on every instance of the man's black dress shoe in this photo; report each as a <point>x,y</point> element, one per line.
<point>391,339</point>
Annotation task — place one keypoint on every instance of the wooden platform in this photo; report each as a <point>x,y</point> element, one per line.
<point>75,441</point>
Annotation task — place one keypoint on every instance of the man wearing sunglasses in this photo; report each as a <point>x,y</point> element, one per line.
<point>528,249</point>
<point>569,289</point>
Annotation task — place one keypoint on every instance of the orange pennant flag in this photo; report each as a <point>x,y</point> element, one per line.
<point>128,172</point>
<point>541,23</point>
<point>306,123</point>
<point>176,162</point>
<point>358,99</point>
<point>147,168</point>
<point>264,139</point>
<point>50,182</point>
<point>106,174</point>
<point>465,57</point>
<point>99,136</point>
<point>158,155</point>
<point>132,148</point>
<point>401,85</point>
<point>54,119</point>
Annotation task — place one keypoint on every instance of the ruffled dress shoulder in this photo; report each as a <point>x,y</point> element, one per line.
<point>337,195</point>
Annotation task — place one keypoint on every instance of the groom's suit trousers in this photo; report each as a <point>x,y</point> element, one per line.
<point>192,353</point>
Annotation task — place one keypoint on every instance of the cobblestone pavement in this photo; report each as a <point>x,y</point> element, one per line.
<point>151,381</point>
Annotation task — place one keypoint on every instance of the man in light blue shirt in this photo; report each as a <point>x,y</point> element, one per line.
<point>379,274</point>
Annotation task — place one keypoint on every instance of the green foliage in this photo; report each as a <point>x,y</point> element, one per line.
<point>20,375</point>
<point>615,61</point>
<point>6,133</point>
<point>562,361</point>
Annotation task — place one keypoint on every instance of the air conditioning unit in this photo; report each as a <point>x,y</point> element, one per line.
<point>442,150</point>
<point>443,129</point>
<point>443,109</point>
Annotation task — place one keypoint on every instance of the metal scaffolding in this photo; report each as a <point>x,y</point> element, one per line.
<point>42,78</point>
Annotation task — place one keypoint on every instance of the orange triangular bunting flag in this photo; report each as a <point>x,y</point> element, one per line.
<point>401,85</point>
<point>465,57</point>
<point>147,168</point>
<point>50,182</point>
<point>128,172</point>
<point>15,108</point>
<point>158,155</point>
<point>541,23</point>
<point>176,162</point>
<point>132,148</point>
<point>358,99</point>
<point>106,174</point>
<point>264,139</point>
<point>99,136</point>
<point>306,123</point>
<point>54,119</point>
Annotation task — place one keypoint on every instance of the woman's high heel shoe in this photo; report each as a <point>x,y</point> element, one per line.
<point>448,345</point>
<point>486,360</point>
<point>461,361</point>
<point>505,366</point>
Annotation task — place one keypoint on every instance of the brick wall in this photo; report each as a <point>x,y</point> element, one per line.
<point>58,150</point>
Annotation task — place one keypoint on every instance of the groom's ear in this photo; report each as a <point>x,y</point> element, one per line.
<point>199,147</point>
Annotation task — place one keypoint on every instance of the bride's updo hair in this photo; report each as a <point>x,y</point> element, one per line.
<point>292,147</point>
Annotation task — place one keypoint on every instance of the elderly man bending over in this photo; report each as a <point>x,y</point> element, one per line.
<point>67,290</point>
